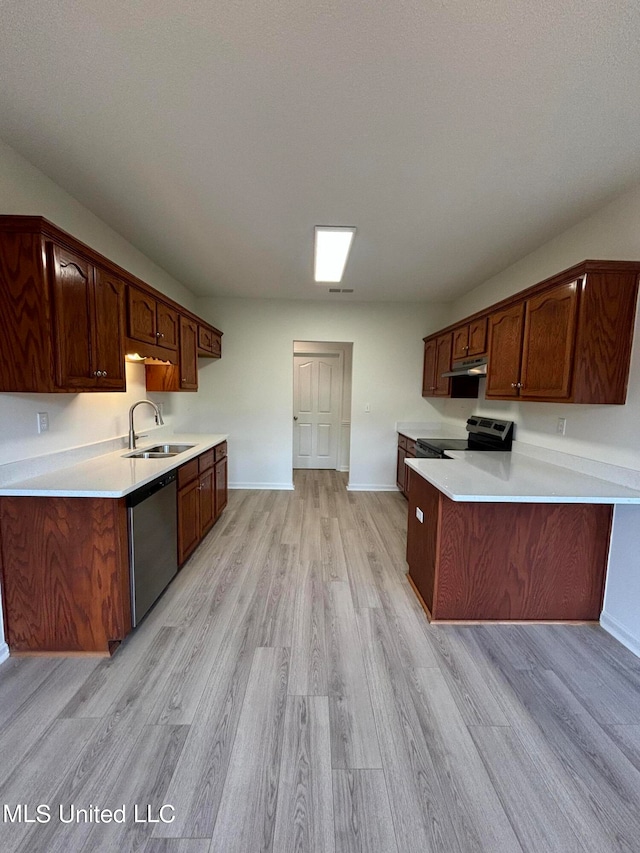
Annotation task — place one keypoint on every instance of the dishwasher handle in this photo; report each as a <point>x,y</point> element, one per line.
<point>151,488</point>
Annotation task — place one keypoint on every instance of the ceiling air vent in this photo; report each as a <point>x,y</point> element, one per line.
<point>340,290</point>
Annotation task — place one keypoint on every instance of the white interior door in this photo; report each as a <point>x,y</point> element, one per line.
<point>317,404</point>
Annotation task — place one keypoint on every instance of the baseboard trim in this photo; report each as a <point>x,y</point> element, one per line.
<point>264,487</point>
<point>4,652</point>
<point>622,635</point>
<point>371,487</point>
<point>344,469</point>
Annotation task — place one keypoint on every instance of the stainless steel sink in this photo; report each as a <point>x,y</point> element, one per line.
<point>160,451</point>
<point>171,449</point>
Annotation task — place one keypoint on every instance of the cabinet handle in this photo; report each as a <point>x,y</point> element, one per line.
<point>104,372</point>
<point>514,385</point>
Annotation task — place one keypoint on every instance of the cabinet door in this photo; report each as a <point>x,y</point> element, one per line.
<point>477,337</point>
<point>142,316</point>
<point>168,327</point>
<point>460,343</point>
<point>109,331</point>
<point>422,536</point>
<point>72,289</point>
<point>549,335</point>
<point>400,469</point>
<point>207,502</point>
<point>188,354</point>
<point>188,520</point>
<point>443,364</point>
<point>220,470</point>
<point>505,348</point>
<point>429,369</point>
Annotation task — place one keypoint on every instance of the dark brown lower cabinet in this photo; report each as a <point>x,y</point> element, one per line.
<point>202,495</point>
<point>506,561</point>
<point>65,573</point>
<point>406,450</point>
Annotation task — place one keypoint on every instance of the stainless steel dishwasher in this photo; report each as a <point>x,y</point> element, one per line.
<point>153,542</point>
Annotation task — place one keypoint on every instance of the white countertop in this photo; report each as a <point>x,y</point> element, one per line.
<point>492,477</point>
<point>112,475</point>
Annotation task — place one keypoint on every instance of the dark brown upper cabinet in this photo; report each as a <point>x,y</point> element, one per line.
<point>565,339</point>
<point>69,316</point>
<point>151,321</point>
<point>470,340</point>
<point>88,338</point>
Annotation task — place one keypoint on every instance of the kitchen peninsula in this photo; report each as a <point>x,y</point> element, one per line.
<point>504,537</point>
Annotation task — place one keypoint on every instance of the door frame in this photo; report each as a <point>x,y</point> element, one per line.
<point>304,347</point>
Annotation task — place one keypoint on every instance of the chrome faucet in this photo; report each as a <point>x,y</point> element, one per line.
<point>132,434</point>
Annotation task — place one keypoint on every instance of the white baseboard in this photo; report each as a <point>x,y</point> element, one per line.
<point>617,630</point>
<point>277,487</point>
<point>344,469</point>
<point>4,652</point>
<point>371,487</point>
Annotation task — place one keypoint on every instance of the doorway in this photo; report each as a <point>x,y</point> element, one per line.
<point>321,404</point>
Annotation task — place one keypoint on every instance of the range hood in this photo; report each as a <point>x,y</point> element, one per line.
<point>468,367</point>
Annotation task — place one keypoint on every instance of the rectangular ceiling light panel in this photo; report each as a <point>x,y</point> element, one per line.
<point>333,245</point>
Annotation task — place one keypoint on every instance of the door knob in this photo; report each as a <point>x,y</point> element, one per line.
<point>295,417</point>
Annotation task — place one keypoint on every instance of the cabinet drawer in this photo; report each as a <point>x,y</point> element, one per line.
<point>402,441</point>
<point>411,447</point>
<point>187,472</point>
<point>205,460</point>
<point>220,450</point>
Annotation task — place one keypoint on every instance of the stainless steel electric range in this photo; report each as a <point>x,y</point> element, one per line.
<point>484,434</point>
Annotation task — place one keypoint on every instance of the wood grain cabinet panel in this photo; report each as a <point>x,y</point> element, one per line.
<point>470,340</point>
<point>182,376</point>
<point>88,307</point>
<point>141,315</point>
<point>109,331</point>
<point>429,368</point>
<point>460,343</point>
<point>477,337</point>
<point>188,520</point>
<point>549,338</point>
<point>202,495</point>
<point>406,450</point>
<point>65,571</point>
<point>188,355</point>
<point>437,360</point>
<point>221,485</point>
<point>506,561</point>
<point>209,343</point>
<point>168,326</point>
<point>505,351</point>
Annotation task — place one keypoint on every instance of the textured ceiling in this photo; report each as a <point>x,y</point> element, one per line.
<point>456,136</point>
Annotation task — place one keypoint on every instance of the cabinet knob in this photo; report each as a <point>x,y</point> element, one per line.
<point>104,372</point>
<point>514,384</point>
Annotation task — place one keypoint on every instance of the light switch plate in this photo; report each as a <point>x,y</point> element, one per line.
<point>43,422</point>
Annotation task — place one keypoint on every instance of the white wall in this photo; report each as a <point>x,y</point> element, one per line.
<point>604,433</point>
<point>249,393</point>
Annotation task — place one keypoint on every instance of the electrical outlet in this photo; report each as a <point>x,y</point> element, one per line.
<point>43,422</point>
<point>419,515</point>
<point>367,407</point>
<point>561,429</point>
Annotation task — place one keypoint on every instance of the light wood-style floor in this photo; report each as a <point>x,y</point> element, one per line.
<point>288,694</point>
